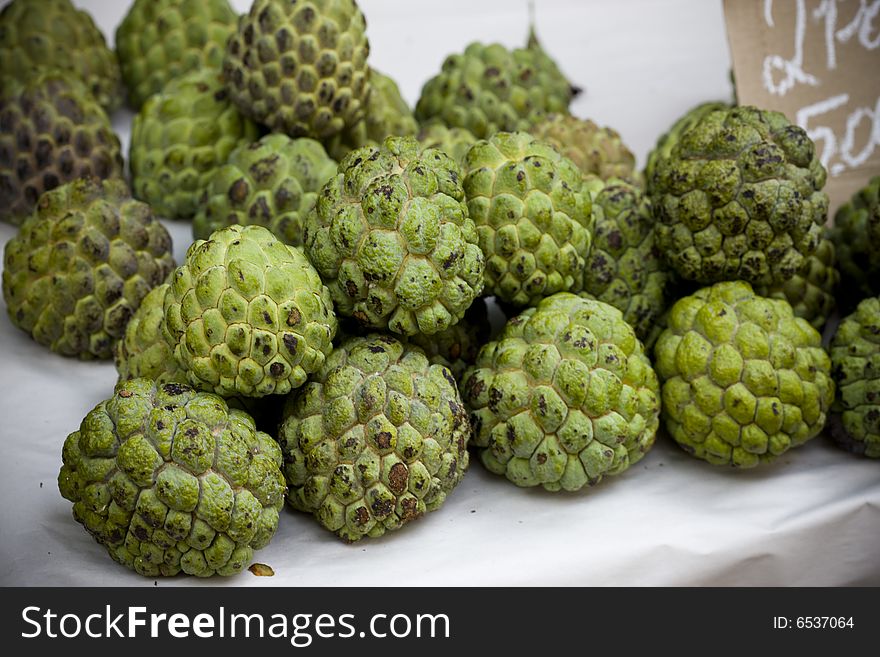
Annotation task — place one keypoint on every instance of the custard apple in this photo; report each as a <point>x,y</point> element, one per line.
<point>54,34</point>
<point>160,40</point>
<point>533,215</point>
<point>387,114</point>
<point>855,368</point>
<point>300,67</point>
<point>488,88</point>
<point>247,315</point>
<point>81,264</point>
<point>457,347</point>
<point>668,140</point>
<point>51,132</point>
<point>624,268</point>
<point>180,138</point>
<point>377,438</point>
<point>744,380</point>
<point>169,479</point>
<point>739,197</point>
<point>596,151</point>
<point>564,397</point>
<point>856,236</point>
<point>391,238</point>
<point>273,182</point>
<point>811,292</point>
<point>455,142</point>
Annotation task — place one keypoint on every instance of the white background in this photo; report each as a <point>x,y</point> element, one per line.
<point>813,518</point>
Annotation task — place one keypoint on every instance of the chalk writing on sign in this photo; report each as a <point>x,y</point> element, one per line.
<point>841,23</point>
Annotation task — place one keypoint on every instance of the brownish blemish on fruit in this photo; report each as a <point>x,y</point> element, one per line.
<point>383,440</point>
<point>397,478</point>
<point>361,516</point>
<point>294,317</point>
<point>410,510</point>
<point>290,342</point>
<point>381,508</point>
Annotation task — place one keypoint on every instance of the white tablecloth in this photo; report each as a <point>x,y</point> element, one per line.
<point>813,518</point>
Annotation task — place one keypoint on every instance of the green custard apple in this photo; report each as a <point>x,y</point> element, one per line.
<point>392,239</point>
<point>489,88</point>
<point>564,397</point>
<point>172,480</point>
<point>376,439</point>
<point>300,67</point>
<point>744,380</point>
<point>247,315</point>
<point>533,216</point>
<point>80,266</point>
<point>739,197</point>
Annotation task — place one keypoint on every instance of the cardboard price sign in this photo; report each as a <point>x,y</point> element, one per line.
<point>818,62</point>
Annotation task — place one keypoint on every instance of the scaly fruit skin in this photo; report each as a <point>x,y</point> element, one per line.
<point>855,367</point>
<point>247,315</point>
<point>180,138</point>
<point>488,88</point>
<point>667,141</point>
<point>377,438</point>
<point>744,380</point>
<point>811,292</point>
<point>387,114</point>
<point>455,142</point>
<point>855,236</point>
<point>391,238</point>
<point>739,198</point>
<point>143,352</point>
<point>624,268</point>
<point>273,182</point>
<point>564,397</point>
<point>300,68</point>
<point>533,217</point>
<point>160,40</point>
<point>457,347</point>
<point>169,479</point>
<point>51,132</point>
<point>596,151</point>
<point>80,265</point>
<point>53,34</point>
